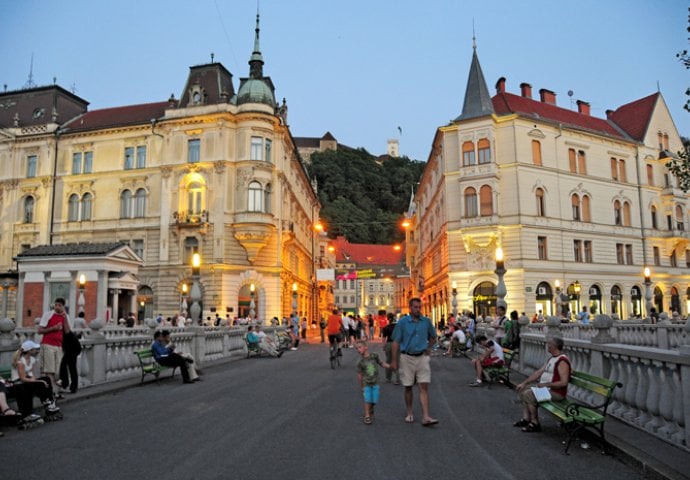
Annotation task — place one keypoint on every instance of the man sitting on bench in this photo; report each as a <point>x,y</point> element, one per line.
<point>554,375</point>
<point>164,354</point>
<point>266,344</point>
<point>491,357</point>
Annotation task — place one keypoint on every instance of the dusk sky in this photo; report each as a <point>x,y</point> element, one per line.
<point>359,69</point>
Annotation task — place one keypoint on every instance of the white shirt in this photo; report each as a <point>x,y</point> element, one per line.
<point>28,367</point>
<point>498,351</point>
<point>459,335</point>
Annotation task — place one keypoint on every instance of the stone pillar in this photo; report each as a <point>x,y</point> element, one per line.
<point>684,351</point>
<point>72,300</point>
<point>603,323</point>
<point>102,295</point>
<point>7,339</point>
<point>96,356</point>
<point>523,321</point>
<point>553,326</point>
<point>46,294</point>
<point>198,344</point>
<point>133,306</point>
<point>20,299</point>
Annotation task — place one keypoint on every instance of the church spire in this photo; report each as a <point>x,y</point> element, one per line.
<point>256,61</point>
<point>477,98</point>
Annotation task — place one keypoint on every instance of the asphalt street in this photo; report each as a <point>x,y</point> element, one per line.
<point>295,418</point>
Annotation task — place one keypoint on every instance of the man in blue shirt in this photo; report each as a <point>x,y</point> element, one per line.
<point>413,337</point>
<point>165,355</point>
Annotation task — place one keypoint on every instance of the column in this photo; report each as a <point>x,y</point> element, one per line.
<point>46,293</point>
<point>134,306</point>
<point>102,295</point>
<point>115,305</point>
<point>20,299</point>
<point>73,310</point>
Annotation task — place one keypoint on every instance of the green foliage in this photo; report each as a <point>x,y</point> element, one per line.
<point>680,166</point>
<point>362,199</point>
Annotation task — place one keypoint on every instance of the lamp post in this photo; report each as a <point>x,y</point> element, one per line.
<point>294,299</point>
<point>648,292</point>
<point>558,300</point>
<point>252,305</point>
<point>82,286</point>
<point>577,288</point>
<point>183,303</point>
<point>500,272</point>
<point>454,302</point>
<point>195,309</point>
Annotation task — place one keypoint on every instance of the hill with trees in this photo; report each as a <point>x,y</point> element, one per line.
<point>364,197</point>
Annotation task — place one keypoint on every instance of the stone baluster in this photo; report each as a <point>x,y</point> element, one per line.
<point>680,408</point>
<point>641,393</point>
<point>523,321</point>
<point>653,393</point>
<point>96,355</point>
<point>667,389</point>
<point>684,351</point>
<point>7,339</point>
<point>631,388</point>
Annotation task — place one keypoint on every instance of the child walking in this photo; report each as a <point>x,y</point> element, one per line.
<point>368,375</point>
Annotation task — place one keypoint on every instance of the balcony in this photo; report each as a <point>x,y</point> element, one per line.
<point>253,230</point>
<point>187,220</point>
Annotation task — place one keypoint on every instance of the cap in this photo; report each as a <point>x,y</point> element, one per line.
<point>30,345</point>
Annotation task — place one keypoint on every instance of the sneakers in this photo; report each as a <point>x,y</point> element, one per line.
<point>280,354</point>
<point>293,348</point>
<point>476,383</point>
<point>32,418</point>
<point>51,407</point>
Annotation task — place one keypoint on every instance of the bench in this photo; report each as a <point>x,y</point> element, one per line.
<point>501,374</point>
<point>252,348</point>
<point>149,365</point>
<point>6,373</point>
<point>577,416</point>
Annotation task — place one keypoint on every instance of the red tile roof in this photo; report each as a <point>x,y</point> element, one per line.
<point>117,116</point>
<point>507,103</point>
<point>634,117</point>
<point>366,254</point>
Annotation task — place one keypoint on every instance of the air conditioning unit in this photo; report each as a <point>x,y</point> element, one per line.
<point>541,291</point>
<point>593,291</point>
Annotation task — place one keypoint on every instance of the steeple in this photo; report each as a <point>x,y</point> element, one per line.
<point>256,61</point>
<point>477,98</point>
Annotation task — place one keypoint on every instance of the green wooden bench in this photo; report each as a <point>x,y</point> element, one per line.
<point>501,374</point>
<point>252,348</point>
<point>149,365</point>
<point>577,416</point>
<point>6,373</point>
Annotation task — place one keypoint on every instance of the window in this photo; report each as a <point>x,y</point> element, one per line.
<point>29,209</point>
<point>31,164</point>
<point>352,284</point>
<point>485,201</point>
<point>657,256</point>
<point>470,202</point>
<point>575,201</point>
<point>622,174</point>
<point>586,217</point>
<point>626,214</point>
<point>620,253</point>
<point>267,198</point>
<point>669,222</point>
<point>73,208</point>
<point>268,145</point>
<point>617,213</point>
<point>655,223</point>
<point>672,259</point>
<point>577,250</point>
<point>665,141</point>
<point>588,251</point>
<point>256,149</point>
<point>337,299</point>
<point>484,150</point>
<point>541,210</point>
<point>126,204</point>
<point>193,150</point>
<point>628,254</point>
<point>614,169</point>
<point>255,197</point>
<point>195,191</point>
<point>536,152</point>
<point>352,299</point>
<point>141,156</point>
<point>541,248</point>
<point>650,175</point>
<point>191,246</point>
<point>572,160</point>
<point>86,206</point>
<point>661,140</point>
<point>581,163</point>
<point>76,163</point>
<point>82,162</point>
<point>140,203</point>
<point>679,218</point>
<point>468,154</point>
<point>138,247</point>
<point>687,258</point>
<point>129,158</point>
<point>88,162</point>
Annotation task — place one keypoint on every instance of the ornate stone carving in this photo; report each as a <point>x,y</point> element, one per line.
<point>165,172</point>
<point>480,257</point>
<point>219,167</point>
<point>253,237</point>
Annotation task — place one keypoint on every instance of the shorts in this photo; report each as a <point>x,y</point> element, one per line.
<point>334,338</point>
<point>527,395</point>
<point>371,394</point>
<point>414,368</point>
<point>492,362</point>
<point>50,358</point>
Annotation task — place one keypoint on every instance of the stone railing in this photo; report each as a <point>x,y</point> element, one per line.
<point>656,381</point>
<point>108,353</point>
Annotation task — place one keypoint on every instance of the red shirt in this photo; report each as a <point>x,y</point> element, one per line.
<point>334,324</point>
<point>54,338</point>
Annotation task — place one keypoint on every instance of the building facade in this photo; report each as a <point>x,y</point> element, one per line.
<point>215,172</point>
<point>579,205</point>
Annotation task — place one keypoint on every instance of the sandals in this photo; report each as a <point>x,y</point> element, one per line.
<point>367,420</point>
<point>521,423</point>
<point>5,414</point>
<point>409,419</point>
<point>531,427</point>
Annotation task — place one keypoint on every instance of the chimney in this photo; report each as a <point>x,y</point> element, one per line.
<point>526,90</point>
<point>501,85</point>
<point>609,113</point>
<point>583,107</point>
<point>547,96</point>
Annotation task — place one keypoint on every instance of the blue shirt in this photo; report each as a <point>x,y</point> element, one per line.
<point>159,350</point>
<point>252,337</point>
<point>413,337</point>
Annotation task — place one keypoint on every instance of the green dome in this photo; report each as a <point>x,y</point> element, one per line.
<point>255,91</point>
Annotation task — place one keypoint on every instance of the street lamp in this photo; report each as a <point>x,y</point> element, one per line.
<point>82,286</point>
<point>252,305</point>
<point>183,304</point>
<point>500,272</point>
<point>454,302</point>
<point>195,309</point>
<point>294,299</point>
<point>577,288</point>
<point>648,292</point>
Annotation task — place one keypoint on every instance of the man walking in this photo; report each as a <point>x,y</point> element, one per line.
<point>53,325</point>
<point>413,337</point>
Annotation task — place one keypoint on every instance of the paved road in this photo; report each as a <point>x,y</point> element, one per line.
<point>295,418</point>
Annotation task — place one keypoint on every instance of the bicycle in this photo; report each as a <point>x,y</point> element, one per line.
<point>334,350</point>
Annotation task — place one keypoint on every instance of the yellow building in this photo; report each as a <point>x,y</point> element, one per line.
<point>578,204</point>
<point>215,171</point>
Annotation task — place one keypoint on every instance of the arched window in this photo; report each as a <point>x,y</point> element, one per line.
<point>191,246</point>
<point>140,203</point>
<point>126,204</point>
<point>255,197</point>
<point>484,150</point>
<point>195,194</point>
<point>73,208</point>
<point>586,214</point>
<point>470,202</point>
<point>680,224</point>
<point>267,198</point>
<point>617,214</point>
<point>29,209</point>
<point>541,206</point>
<point>486,207</point>
<point>86,201</point>
<point>468,154</point>
<point>655,222</point>
<point>536,152</point>
<point>575,201</point>
<point>626,214</point>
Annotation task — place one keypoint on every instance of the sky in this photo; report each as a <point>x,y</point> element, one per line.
<point>357,68</point>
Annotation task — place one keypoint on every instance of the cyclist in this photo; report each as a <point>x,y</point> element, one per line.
<point>333,329</point>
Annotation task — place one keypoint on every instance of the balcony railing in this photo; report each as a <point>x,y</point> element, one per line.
<point>189,218</point>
